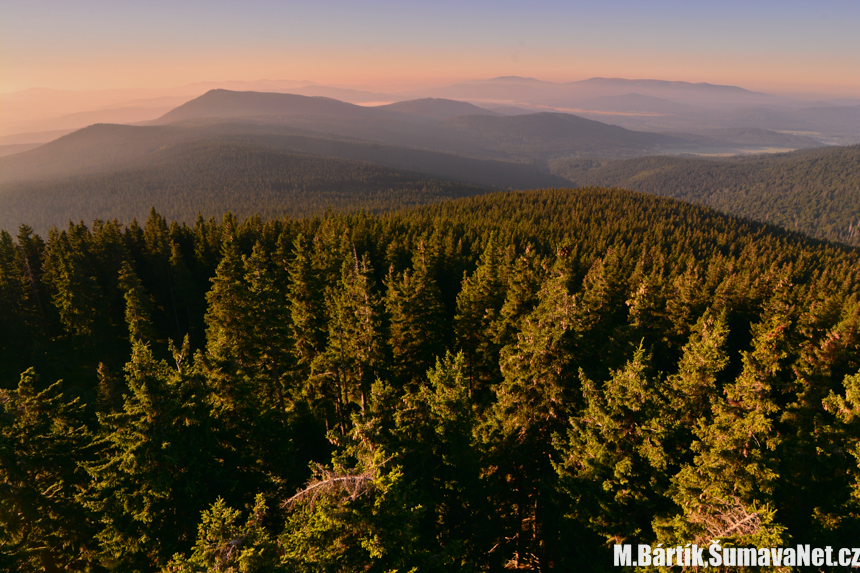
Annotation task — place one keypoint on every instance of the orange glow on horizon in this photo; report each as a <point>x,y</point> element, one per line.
<point>385,70</point>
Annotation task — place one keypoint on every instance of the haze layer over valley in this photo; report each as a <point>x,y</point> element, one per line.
<point>721,119</point>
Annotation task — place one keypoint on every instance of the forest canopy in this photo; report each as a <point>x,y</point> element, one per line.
<point>513,380</point>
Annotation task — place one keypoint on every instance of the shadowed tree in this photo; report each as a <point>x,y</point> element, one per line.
<point>43,441</point>
<point>734,472</point>
<point>478,305</point>
<point>416,314</point>
<point>355,345</point>
<point>137,309</point>
<point>613,459</point>
<point>157,463</point>
<point>533,402</point>
<point>225,544</point>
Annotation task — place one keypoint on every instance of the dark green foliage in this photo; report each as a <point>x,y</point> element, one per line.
<point>156,464</point>
<point>416,316</point>
<point>224,544</point>
<point>847,409</point>
<point>615,462</point>
<point>365,520</point>
<point>306,303</point>
<point>137,312</point>
<point>252,360</point>
<point>72,284</point>
<point>478,306</point>
<point>355,357</point>
<point>43,441</point>
<point>19,295</point>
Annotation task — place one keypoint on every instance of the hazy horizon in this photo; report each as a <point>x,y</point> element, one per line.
<point>784,47</point>
<point>780,89</point>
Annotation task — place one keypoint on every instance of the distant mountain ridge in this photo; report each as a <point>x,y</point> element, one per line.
<point>445,141</point>
<point>665,84</point>
<point>636,102</point>
<point>623,82</point>
<point>108,148</point>
<point>688,106</point>
<point>438,109</point>
<point>222,103</point>
<point>430,124</point>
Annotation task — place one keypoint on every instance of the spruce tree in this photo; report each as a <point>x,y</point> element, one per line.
<point>613,459</point>
<point>306,304</point>
<point>157,464</point>
<point>734,473</point>
<point>249,367</point>
<point>525,278</point>
<point>74,290</point>
<point>354,518</point>
<point>226,544</point>
<point>478,305</point>
<point>695,384</point>
<point>137,309</point>
<point>533,402</point>
<point>355,353</point>
<point>416,315</point>
<point>436,430</point>
<point>847,409</point>
<point>17,311</point>
<point>43,440</point>
<point>227,338</point>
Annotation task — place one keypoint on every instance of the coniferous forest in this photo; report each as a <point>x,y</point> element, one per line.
<point>814,191</point>
<point>516,380</point>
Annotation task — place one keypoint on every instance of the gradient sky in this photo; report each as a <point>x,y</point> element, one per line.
<point>94,44</point>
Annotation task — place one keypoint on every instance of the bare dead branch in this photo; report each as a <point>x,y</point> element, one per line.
<point>725,519</point>
<point>352,485</point>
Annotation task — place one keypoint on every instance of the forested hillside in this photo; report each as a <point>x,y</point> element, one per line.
<point>815,191</point>
<point>505,381</point>
<point>210,177</point>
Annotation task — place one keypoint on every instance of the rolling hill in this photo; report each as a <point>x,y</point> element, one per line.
<point>212,177</point>
<point>553,135</point>
<point>815,191</point>
<point>108,148</point>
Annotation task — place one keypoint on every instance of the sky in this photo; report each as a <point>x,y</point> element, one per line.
<point>770,45</point>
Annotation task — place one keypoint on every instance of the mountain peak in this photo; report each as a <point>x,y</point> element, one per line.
<point>222,103</point>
